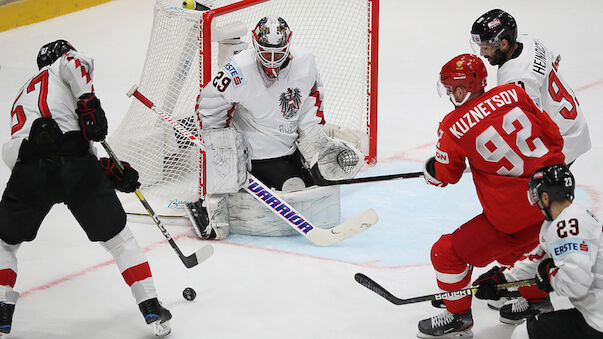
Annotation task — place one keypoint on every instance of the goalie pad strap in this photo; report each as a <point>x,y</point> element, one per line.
<point>227,160</point>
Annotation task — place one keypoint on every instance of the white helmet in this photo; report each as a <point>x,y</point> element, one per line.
<point>271,37</point>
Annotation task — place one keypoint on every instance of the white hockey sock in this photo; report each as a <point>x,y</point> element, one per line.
<point>132,264</point>
<point>8,272</point>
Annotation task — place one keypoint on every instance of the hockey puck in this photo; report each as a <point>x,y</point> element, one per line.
<point>189,294</point>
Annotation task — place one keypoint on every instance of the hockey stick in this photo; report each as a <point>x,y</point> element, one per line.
<point>321,181</point>
<point>318,236</point>
<point>192,260</point>
<point>373,286</point>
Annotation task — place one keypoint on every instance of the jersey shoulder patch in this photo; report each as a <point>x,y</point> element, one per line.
<point>234,72</point>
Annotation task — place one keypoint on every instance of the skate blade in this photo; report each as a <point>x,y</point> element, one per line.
<point>161,329</point>
<point>511,321</point>
<point>461,334</point>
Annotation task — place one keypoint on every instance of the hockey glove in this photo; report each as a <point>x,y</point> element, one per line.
<point>93,121</point>
<point>487,282</point>
<point>429,173</point>
<point>543,276</point>
<point>127,181</point>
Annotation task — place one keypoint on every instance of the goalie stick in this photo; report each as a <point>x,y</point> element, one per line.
<point>318,236</point>
<point>192,260</point>
<point>373,286</point>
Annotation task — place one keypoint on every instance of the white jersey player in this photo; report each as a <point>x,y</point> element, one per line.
<point>267,103</point>
<point>568,260</point>
<point>527,62</point>
<point>54,118</point>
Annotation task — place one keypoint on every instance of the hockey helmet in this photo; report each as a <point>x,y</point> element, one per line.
<point>50,52</point>
<point>492,27</point>
<point>465,70</point>
<point>271,37</point>
<point>556,180</point>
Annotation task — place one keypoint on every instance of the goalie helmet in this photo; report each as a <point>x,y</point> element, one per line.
<point>50,52</point>
<point>556,180</point>
<point>271,37</point>
<point>492,27</point>
<point>465,70</point>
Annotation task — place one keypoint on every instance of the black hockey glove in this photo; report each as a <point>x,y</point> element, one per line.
<point>487,282</point>
<point>126,182</point>
<point>93,121</point>
<point>543,276</point>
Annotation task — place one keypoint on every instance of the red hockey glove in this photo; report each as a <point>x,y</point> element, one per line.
<point>543,276</point>
<point>429,173</point>
<point>93,121</point>
<point>127,181</point>
<point>487,282</point>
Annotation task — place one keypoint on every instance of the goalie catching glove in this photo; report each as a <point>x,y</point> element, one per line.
<point>93,121</point>
<point>127,181</point>
<point>333,159</point>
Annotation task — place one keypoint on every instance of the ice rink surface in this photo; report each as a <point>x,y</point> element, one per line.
<point>257,287</point>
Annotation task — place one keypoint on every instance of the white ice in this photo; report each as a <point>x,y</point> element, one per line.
<point>288,288</point>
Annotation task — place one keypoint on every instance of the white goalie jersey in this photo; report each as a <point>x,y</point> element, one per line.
<point>574,241</point>
<point>52,92</point>
<point>270,114</point>
<point>536,69</point>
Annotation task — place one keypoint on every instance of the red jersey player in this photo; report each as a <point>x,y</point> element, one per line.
<point>505,137</point>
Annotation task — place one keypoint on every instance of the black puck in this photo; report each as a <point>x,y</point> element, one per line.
<point>189,294</point>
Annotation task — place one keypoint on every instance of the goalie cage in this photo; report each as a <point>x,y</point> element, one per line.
<point>181,58</point>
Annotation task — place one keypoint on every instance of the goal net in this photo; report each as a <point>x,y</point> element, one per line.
<point>183,54</point>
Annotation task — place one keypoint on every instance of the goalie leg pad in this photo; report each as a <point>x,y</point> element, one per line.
<point>319,204</point>
<point>336,159</point>
<point>227,160</point>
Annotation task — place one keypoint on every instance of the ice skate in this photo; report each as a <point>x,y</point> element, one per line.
<point>447,325</point>
<point>6,318</point>
<point>498,304</point>
<point>197,213</point>
<point>156,316</point>
<point>520,309</point>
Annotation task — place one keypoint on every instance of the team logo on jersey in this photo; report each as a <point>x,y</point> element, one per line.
<point>459,65</point>
<point>570,245</point>
<point>290,102</point>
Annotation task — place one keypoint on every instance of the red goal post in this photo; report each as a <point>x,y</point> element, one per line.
<point>342,34</point>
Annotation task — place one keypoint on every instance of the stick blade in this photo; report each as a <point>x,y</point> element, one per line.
<point>355,225</point>
<point>200,256</point>
<point>375,287</point>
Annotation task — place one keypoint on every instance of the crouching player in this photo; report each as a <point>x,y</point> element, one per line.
<point>568,260</point>
<point>263,113</point>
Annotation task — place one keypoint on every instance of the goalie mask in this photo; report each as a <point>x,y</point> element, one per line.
<point>465,70</point>
<point>271,37</point>
<point>50,52</point>
<point>556,180</point>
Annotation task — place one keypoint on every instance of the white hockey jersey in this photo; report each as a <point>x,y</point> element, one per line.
<point>53,92</point>
<point>575,243</point>
<point>536,69</point>
<point>270,114</point>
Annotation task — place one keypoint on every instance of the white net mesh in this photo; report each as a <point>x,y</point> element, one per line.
<point>335,30</point>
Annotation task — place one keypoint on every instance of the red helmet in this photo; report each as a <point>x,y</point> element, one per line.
<point>465,70</point>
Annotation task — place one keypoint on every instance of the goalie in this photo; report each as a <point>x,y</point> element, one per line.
<point>263,113</point>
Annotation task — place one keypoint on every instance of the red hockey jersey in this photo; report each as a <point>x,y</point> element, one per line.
<point>505,137</point>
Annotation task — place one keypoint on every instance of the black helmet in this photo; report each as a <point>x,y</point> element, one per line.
<point>556,180</point>
<point>50,52</point>
<point>494,26</point>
